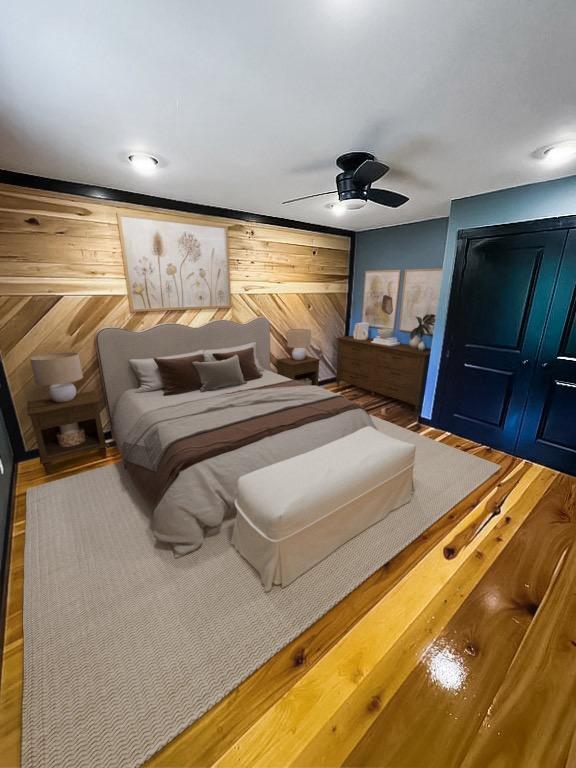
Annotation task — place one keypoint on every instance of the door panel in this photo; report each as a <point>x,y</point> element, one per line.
<point>503,280</point>
<point>501,292</point>
<point>555,428</point>
<point>548,433</point>
<point>492,386</point>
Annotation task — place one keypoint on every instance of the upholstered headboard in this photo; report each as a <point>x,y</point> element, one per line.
<point>117,346</point>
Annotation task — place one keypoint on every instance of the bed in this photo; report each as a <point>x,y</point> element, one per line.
<point>186,452</point>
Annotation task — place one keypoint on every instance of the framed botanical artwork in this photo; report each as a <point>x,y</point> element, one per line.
<point>420,296</point>
<point>174,265</point>
<point>380,297</point>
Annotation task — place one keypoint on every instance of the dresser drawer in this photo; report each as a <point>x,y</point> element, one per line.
<point>357,367</point>
<point>398,363</point>
<point>352,357</point>
<point>357,380</point>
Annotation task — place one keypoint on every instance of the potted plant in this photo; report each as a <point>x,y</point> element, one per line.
<point>425,327</point>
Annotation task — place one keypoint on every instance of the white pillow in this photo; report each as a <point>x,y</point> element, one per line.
<point>209,353</point>
<point>147,371</point>
<point>147,374</point>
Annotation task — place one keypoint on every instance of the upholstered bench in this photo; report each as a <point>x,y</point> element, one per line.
<point>293,514</point>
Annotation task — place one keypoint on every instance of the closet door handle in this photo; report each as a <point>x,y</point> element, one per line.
<point>545,365</point>
<point>525,362</point>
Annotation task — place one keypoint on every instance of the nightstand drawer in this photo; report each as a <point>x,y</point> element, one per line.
<point>64,416</point>
<point>299,369</point>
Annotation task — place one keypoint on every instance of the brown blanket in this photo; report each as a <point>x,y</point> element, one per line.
<point>195,448</point>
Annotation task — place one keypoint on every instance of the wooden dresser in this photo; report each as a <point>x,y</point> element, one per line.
<point>398,372</point>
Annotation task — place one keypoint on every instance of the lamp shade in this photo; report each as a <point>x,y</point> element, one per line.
<point>56,369</point>
<point>298,337</point>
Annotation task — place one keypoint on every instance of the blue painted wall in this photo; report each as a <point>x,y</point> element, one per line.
<point>534,201</point>
<point>409,246</point>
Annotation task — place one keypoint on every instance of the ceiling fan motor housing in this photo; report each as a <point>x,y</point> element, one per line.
<point>348,188</point>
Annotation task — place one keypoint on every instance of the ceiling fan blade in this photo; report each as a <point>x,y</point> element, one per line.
<point>307,197</point>
<point>385,197</point>
<point>369,172</point>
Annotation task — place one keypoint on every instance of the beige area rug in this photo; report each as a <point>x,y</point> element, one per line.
<point>125,646</point>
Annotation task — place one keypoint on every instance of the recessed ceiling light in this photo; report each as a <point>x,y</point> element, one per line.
<point>143,163</point>
<point>559,153</point>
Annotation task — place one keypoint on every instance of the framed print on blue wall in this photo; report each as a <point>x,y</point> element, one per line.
<point>380,297</point>
<point>420,296</point>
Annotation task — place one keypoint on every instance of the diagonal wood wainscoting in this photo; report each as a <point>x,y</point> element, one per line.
<point>62,279</point>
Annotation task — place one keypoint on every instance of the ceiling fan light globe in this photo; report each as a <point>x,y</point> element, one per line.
<point>352,204</point>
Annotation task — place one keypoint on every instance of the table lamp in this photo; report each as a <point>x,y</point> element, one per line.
<point>57,372</point>
<point>298,339</point>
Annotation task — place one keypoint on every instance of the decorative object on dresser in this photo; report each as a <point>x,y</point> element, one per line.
<point>398,372</point>
<point>58,372</point>
<point>299,369</point>
<point>174,264</point>
<point>298,339</point>
<point>361,331</point>
<point>425,327</point>
<point>385,338</point>
<point>55,446</point>
<point>380,297</point>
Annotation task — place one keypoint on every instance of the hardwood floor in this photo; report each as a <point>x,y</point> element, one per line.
<point>460,651</point>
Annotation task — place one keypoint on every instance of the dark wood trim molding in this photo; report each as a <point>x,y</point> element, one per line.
<point>107,194</point>
<point>6,553</point>
<point>519,227</point>
<point>437,414</point>
<point>10,418</point>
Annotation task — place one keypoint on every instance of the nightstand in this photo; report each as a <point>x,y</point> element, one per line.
<point>47,416</point>
<point>299,369</point>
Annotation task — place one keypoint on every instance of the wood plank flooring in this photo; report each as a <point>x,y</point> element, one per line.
<point>460,651</point>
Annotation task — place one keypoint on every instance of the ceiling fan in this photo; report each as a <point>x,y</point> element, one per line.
<point>359,171</point>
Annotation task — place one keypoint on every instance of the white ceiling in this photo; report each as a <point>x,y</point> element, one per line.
<point>249,102</point>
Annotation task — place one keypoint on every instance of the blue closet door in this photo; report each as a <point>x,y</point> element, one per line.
<point>548,432</point>
<point>501,293</point>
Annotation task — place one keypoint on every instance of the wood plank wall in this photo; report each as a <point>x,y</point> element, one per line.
<point>62,279</point>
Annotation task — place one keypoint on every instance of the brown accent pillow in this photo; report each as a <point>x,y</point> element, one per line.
<point>178,374</point>
<point>247,362</point>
